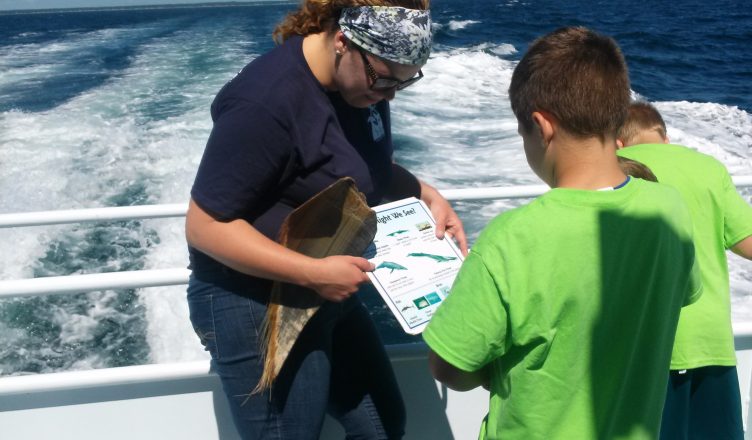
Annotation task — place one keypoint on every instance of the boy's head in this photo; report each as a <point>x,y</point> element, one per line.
<point>575,76</point>
<point>644,125</point>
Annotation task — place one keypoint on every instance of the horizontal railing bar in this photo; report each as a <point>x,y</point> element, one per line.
<point>61,381</point>
<point>66,380</point>
<point>742,180</point>
<point>138,374</point>
<point>92,282</point>
<point>743,329</point>
<point>527,191</point>
<point>40,218</point>
<point>499,192</point>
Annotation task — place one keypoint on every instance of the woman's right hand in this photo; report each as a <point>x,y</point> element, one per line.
<point>237,244</point>
<point>337,277</point>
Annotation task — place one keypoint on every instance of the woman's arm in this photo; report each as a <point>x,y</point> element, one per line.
<point>239,245</point>
<point>403,184</point>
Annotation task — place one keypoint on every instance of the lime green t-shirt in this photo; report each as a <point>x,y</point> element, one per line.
<point>721,218</point>
<point>571,303</point>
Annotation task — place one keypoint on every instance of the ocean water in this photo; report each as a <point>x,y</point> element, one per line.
<point>111,108</point>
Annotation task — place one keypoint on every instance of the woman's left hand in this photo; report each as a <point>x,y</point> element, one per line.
<point>447,220</point>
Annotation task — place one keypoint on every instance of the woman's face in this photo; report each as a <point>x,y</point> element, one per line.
<point>356,72</point>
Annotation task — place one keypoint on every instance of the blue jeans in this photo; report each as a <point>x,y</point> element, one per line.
<point>338,364</point>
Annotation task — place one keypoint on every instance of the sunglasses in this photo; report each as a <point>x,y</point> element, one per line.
<point>383,83</point>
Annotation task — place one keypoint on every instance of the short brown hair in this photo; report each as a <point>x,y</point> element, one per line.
<point>576,75</point>
<point>314,16</point>
<point>641,116</point>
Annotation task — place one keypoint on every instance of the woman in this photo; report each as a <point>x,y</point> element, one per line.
<point>293,121</point>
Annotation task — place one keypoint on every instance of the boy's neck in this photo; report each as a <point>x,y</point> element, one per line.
<point>589,164</point>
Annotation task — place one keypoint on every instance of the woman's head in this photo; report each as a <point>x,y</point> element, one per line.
<point>365,49</point>
<point>393,33</point>
<point>316,16</point>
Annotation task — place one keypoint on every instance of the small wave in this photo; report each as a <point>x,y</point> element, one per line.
<point>452,25</point>
<point>456,25</point>
<point>27,35</point>
<point>502,49</point>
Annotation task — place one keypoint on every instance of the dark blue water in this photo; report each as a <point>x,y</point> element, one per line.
<point>677,50</point>
<point>92,65</point>
<point>690,50</point>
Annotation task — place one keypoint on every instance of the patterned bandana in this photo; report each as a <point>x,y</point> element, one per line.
<point>393,33</point>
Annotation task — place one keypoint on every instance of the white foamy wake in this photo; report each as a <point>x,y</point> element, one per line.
<point>144,128</point>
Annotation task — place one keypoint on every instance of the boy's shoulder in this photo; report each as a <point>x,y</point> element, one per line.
<point>533,218</point>
<point>555,207</point>
<point>513,218</point>
<point>682,167</point>
<point>564,216</point>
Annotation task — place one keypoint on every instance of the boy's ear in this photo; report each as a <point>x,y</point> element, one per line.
<point>546,124</point>
<point>619,144</point>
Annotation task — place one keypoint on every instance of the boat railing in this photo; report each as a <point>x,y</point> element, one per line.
<point>25,385</point>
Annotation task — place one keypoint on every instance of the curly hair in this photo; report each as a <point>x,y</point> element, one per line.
<point>314,16</point>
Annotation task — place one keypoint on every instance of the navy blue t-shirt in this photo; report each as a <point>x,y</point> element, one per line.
<point>279,138</point>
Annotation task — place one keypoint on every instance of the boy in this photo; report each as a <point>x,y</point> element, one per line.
<point>566,308</point>
<point>703,398</point>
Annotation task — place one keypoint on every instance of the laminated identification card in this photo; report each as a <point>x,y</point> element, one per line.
<point>414,269</point>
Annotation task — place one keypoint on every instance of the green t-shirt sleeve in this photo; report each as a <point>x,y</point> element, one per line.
<point>737,214</point>
<point>470,328</point>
